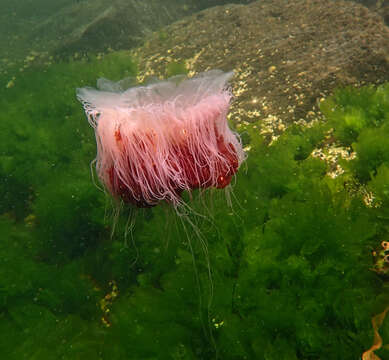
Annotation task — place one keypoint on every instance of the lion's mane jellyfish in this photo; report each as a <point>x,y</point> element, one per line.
<point>156,141</point>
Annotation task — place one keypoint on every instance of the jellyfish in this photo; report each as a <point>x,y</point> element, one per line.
<point>155,142</point>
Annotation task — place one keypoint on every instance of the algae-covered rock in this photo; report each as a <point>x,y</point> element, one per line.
<point>286,55</point>
<point>34,31</point>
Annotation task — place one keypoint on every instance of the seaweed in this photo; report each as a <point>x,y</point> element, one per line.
<point>285,272</point>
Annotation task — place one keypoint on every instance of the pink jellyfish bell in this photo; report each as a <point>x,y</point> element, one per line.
<point>156,141</point>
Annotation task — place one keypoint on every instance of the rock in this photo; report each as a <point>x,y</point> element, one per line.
<point>381,7</point>
<point>286,55</point>
<point>121,24</point>
<point>64,27</point>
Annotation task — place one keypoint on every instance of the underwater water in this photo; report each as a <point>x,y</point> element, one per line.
<point>282,254</point>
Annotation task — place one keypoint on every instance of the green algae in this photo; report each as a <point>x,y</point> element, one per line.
<point>290,262</point>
